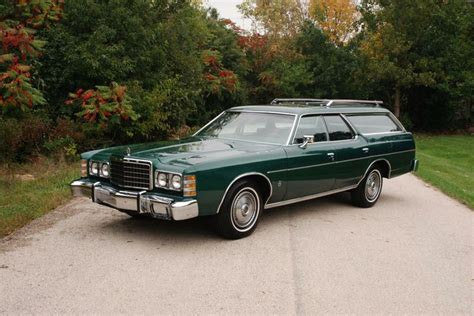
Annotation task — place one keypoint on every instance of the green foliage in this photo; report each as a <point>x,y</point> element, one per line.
<point>104,104</point>
<point>446,162</point>
<point>332,68</point>
<point>19,42</point>
<point>424,51</point>
<point>64,147</point>
<point>22,137</point>
<point>179,64</point>
<point>21,201</point>
<point>163,110</point>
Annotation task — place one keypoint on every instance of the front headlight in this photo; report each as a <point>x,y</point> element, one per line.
<point>168,180</point>
<point>105,170</point>
<point>176,182</point>
<point>162,180</point>
<point>94,170</point>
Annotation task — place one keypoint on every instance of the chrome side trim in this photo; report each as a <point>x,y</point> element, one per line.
<point>327,101</point>
<point>336,162</point>
<point>383,133</point>
<point>240,177</point>
<point>354,132</point>
<point>293,130</point>
<point>263,111</point>
<point>397,121</point>
<point>314,196</point>
<point>308,197</point>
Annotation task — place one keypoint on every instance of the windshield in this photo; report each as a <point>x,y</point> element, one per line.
<point>251,126</point>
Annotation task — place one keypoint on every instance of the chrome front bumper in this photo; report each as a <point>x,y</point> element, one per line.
<point>140,202</point>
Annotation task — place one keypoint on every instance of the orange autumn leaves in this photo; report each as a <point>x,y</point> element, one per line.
<point>336,18</point>
<point>103,104</point>
<point>19,48</point>
<point>217,77</point>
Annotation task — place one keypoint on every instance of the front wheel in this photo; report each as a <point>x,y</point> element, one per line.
<point>239,214</point>
<point>369,189</point>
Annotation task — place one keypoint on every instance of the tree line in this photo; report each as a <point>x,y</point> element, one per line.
<point>80,74</point>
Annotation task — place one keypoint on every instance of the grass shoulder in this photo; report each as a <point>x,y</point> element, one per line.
<point>446,162</point>
<point>28,191</point>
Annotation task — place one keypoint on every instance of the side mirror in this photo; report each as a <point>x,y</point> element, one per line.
<point>307,140</point>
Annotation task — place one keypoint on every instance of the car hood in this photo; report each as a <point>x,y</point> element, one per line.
<point>186,152</point>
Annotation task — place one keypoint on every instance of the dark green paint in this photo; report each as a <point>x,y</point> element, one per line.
<point>293,171</point>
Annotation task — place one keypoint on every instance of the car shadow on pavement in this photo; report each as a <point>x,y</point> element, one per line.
<point>202,228</point>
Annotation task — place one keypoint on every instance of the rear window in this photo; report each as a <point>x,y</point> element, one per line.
<point>373,124</point>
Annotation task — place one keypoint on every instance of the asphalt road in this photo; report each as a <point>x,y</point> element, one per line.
<point>410,254</point>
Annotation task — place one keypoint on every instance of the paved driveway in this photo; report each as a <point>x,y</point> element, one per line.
<point>411,253</point>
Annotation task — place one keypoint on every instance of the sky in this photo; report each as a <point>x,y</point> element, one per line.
<point>228,9</point>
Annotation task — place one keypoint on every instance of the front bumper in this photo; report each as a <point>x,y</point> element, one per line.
<point>141,202</point>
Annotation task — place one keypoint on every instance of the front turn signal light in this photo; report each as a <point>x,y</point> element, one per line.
<point>83,168</point>
<point>189,186</point>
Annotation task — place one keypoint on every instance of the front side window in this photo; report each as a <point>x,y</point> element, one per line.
<point>311,125</point>
<point>251,126</point>
<point>373,124</point>
<point>337,128</point>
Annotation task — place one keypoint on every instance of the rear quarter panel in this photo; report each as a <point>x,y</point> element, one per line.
<point>397,148</point>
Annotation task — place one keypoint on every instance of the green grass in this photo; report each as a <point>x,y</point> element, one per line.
<point>447,162</point>
<point>24,200</point>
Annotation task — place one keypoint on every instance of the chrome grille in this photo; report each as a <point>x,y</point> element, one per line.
<point>131,173</point>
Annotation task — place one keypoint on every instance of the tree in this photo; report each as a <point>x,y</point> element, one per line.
<point>277,18</point>
<point>20,47</point>
<point>336,18</point>
<point>417,46</point>
<point>332,68</point>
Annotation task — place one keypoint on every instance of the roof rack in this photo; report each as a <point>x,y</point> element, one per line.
<point>326,102</point>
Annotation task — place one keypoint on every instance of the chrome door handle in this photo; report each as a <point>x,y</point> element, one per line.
<point>331,156</point>
<point>365,149</point>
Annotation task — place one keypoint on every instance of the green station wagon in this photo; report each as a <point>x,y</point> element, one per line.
<point>252,158</point>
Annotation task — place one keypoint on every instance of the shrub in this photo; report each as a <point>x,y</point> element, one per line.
<point>24,137</point>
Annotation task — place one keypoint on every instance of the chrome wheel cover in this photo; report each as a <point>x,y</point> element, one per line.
<point>245,209</point>
<point>373,185</point>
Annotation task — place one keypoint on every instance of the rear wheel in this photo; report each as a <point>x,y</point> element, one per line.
<point>239,214</point>
<point>369,189</point>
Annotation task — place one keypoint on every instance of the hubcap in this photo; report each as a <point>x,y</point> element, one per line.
<point>244,210</point>
<point>373,185</point>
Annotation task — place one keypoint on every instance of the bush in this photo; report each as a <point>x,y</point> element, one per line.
<point>23,137</point>
<point>62,148</point>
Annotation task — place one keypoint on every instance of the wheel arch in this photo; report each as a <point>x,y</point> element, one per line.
<point>384,165</point>
<point>260,179</point>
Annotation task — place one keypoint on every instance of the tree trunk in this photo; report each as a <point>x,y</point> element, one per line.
<point>396,106</point>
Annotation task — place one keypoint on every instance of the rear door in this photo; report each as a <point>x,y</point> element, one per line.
<point>310,169</point>
<point>349,150</point>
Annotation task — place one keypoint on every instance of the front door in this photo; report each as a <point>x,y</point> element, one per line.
<point>311,169</point>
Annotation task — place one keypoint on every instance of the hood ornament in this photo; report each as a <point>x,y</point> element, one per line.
<point>129,151</point>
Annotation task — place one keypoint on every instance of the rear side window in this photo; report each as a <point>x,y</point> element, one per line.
<point>311,125</point>
<point>373,124</point>
<point>337,128</point>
